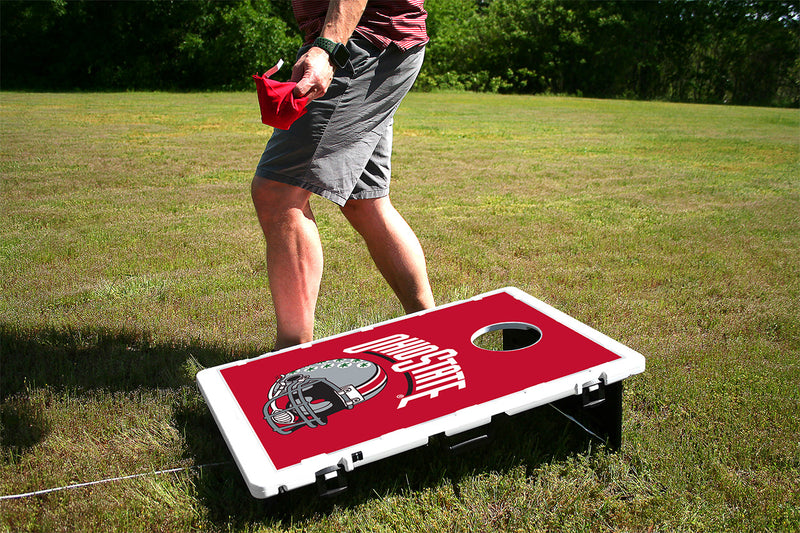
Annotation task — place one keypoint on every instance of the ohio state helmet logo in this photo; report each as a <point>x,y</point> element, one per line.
<point>309,395</point>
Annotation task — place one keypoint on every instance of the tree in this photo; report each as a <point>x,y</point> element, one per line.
<point>736,51</point>
<point>698,51</point>
<point>151,44</point>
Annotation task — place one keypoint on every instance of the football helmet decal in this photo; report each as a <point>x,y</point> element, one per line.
<point>309,395</point>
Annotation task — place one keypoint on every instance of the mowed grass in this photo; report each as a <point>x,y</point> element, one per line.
<point>130,258</point>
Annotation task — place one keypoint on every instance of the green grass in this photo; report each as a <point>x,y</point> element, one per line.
<point>130,258</point>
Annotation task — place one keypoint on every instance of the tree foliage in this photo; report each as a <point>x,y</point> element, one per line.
<point>720,51</point>
<point>149,44</point>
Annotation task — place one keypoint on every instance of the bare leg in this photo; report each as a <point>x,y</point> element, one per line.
<point>394,248</point>
<point>294,257</point>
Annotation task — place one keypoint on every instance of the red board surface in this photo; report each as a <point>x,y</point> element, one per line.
<point>349,389</point>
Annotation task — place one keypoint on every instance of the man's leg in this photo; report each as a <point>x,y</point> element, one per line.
<point>394,248</point>
<point>294,257</point>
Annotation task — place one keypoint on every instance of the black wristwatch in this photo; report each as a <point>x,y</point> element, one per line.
<point>337,51</point>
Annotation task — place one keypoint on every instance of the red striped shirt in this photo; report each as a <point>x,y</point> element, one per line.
<point>384,22</point>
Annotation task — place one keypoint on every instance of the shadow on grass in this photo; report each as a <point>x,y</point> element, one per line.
<point>78,360</point>
<point>530,439</point>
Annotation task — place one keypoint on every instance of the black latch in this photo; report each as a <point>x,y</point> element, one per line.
<point>324,475</point>
<point>593,393</point>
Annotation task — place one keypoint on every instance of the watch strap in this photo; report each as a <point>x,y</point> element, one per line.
<point>326,44</point>
<point>337,52</point>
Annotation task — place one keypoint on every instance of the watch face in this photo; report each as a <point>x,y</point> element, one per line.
<point>340,55</point>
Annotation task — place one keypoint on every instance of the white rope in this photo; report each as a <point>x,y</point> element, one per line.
<point>180,469</point>
<point>90,483</point>
<point>573,419</point>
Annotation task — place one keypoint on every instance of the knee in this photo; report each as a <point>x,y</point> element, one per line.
<point>263,193</point>
<point>274,200</point>
<point>360,212</point>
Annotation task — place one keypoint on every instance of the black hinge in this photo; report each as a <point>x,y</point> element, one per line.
<point>467,444</point>
<point>461,442</point>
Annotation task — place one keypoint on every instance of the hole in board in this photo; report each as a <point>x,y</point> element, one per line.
<point>506,336</point>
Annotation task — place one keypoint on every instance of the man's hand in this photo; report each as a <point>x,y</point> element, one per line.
<point>313,73</point>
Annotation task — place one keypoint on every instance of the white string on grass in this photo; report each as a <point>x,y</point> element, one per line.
<point>574,420</point>
<point>180,469</point>
<point>109,480</point>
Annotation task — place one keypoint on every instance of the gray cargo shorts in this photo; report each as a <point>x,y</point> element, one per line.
<point>341,148</point>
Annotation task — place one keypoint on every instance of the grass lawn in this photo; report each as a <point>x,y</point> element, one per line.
<point>130,258</point>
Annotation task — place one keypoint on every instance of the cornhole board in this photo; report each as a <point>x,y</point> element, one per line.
<point>310,413</point>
